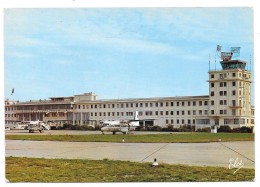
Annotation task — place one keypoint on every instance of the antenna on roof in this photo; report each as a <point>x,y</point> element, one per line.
<point>218,50</point>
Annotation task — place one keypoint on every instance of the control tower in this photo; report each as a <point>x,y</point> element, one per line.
<point>230,93</point>
<point>233,64</point>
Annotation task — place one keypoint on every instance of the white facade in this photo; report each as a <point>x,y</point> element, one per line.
<point>164,111</point>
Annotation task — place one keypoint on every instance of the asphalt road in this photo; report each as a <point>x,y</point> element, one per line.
<point>199,154</point>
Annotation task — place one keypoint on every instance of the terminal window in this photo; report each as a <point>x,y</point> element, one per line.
<point>223,84</point>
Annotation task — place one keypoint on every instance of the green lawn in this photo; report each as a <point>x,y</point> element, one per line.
<point>152,138</point>
<point>76,170</point>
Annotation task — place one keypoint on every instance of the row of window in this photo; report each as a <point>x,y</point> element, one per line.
<point>180,121</point>
<point>39,107</point>
<point>122,105</point>
<point>223,112</point>
<point>224,75</point>
<point>161,113</point>
<point>224,102</point>
<point>222,84</point>
<point>53,114</point>
<point>10,115</point>
<point>150,113</point>
<point>131,105</point>
<point>203,121</point>
<point>224,93</point>
<point>234,121</point>
<point>238,121</point>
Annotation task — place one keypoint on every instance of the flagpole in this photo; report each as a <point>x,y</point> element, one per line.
<point>218,49</point>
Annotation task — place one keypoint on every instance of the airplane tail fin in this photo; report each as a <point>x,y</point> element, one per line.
<point>136,115</point>
<point>45,127</point>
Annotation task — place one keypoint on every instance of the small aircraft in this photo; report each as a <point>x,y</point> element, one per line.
<point>121,126</point>
<point>37,126</point>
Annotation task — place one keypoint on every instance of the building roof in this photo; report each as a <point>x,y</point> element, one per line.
<point>69,100</point>
<point>146,99</point>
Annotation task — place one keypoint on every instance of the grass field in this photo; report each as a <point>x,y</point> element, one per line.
<point>147,138</point>
<point>68,170</point>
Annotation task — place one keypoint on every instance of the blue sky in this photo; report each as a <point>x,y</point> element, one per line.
<point>118,52</point>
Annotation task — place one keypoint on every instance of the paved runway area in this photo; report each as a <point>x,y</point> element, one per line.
<point>200,154</point>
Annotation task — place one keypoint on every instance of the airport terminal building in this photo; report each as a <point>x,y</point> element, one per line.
<point>228,103</point>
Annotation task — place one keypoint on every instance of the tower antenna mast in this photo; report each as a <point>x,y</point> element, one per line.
<point>218,50</point>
